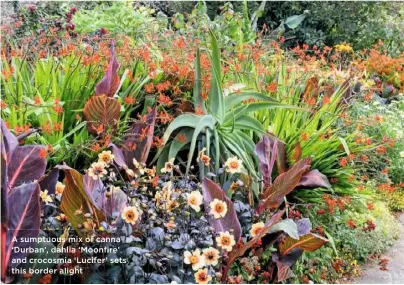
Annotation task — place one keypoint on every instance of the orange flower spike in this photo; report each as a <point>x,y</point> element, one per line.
<point>43,153</point>
<point>129,100</point>
<point>343,161</point>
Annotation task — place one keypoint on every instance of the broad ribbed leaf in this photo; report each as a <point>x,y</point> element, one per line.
<point>101,113</point>
<point>138,140</point>
<point>288,226</point>
<point>4,194</point>
<point>24,219</point>
<point>119,157</point>
<point>115,203</point>
<point>110,83</point>
<point>8,142</point>
<point>74,198</point>
<point>241,250</point>
<point>266,151</point>
<point>95,190</point>
<point>48,182</point>
<point>284,271</point>
<point>230,221</point>
<point>284,184</point>
<point>314,179</point>
<point>296,153</point>
<point>26,165</point>
<point>309,242</point>
<point>303,226</point>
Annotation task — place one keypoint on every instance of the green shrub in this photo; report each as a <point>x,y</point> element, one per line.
<point>347,245</point>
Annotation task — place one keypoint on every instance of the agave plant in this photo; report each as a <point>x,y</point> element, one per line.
<point>21,167</point>
<point>223,126</point>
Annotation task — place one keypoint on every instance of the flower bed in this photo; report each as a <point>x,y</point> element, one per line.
<point>173,157</point>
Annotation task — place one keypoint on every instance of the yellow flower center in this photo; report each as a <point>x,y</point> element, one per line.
<point>193,259</point>
<point>225,241</point>
<point>202,276</point>
<point>233,164</point>
<point>219,208</point>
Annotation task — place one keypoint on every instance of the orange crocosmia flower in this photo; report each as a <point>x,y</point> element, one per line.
<point>43,153</point>
<point>199,111</point>
<point>129,100</point>
<point>326,100</point>
<point>369,141</point>
<point>381,149</point>
<point>37,100</point>
<point>360,187</point>
<point>165,100</point>
<point>95,147</point>
<point>46,279</point>
<point>351,224</point>
<point>364,158</point>
<point>343,161</point>
<point>305,136</point>
<point>272,87</point>
<point>158,142</point>
<point>155,181</point>
<point>385,171</point>
<point>57,126</point>
<point>47,128</point>
<point>379,118</point>
<point>204,95</point>
<point>3,104</point>
<point>311,101</point>
<point>182,138</point>
<point>78,117</point>
<point>165,117</point>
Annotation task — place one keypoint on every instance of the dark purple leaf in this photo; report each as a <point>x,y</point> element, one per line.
<point>26,165</point>
<point>303,226</point>
<point>110,83</point>
<point>4,194</point>
<point>48,182</point>
<point>8,142</point>
<point>138,140</point>
<point>284,271</point>
<point>284,184</point>
<point>266,151</point>
<point>95,190</point>
<point>230,221</point>
<point>24,219</point>
<point>314,179</point>
<point>116,202</point>
<point>119,157</point>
